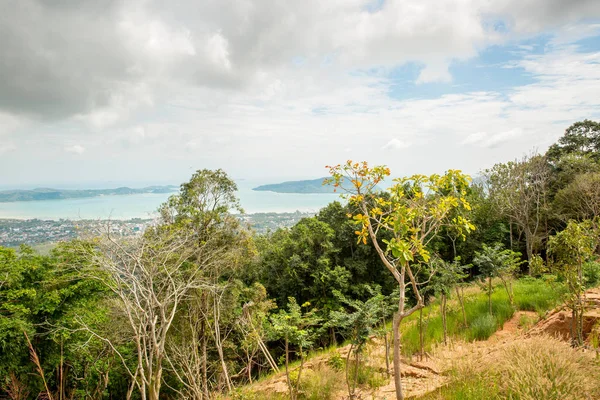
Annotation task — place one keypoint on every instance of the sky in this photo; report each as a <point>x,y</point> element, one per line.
<point>150,91</point>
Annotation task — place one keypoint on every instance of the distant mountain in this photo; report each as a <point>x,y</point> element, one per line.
<point>308,186</point>
<point>59,194</point>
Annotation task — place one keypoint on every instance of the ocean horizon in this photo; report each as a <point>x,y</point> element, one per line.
<point>123,207</point>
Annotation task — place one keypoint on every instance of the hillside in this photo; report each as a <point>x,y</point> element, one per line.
<point>462,369</point>
<point>60,194</point>
<point>305,186</point>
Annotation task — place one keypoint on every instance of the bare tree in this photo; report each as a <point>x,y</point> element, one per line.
<point>519,189</point>
<point>151,277</point>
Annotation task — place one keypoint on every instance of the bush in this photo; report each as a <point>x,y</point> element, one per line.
<point>321,384</point>
<point>591,274</point>
<point>336,361</point>
<point>371,377</point>
<point>483,327</point>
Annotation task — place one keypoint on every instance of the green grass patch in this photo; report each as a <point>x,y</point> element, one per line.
<point>529,294</point>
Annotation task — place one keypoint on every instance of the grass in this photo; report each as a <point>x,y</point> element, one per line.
<point>538,295</point>
<point>534,368</point>
<point>321,384</point>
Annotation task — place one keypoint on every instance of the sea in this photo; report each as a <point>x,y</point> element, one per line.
<point>125,207</point>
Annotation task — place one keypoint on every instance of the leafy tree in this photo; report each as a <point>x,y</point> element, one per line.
<point>570,249</point>
<point>295,328</point>
<point>580,199</point>
<point>495,261</point>
<point>358,325</point>
<point>581,138</point>
<point>300,263</point>
<point>443,282</point>
<point>40,296</point>
<point>412,215</point>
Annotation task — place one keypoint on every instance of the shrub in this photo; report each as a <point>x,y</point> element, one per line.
<point>336,361</point>
<point>482,327</point>
<point>591,273</point>
<point>537,267</point>
<point>321,384</point>
<point>370,376</point>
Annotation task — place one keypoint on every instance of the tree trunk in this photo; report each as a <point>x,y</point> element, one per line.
<point>204,338</point>
<point>421,341</point>
<point>287,368</point>
<point>529,248</point>
<point>508,290</point>
<point>387,348</point>
<point>155,382</point>
<point>397,356</point>
<point>490,293</point>
<point>350,391</point>
<point>444,325</point>
<point>462,306</point>
<point>356,366</point>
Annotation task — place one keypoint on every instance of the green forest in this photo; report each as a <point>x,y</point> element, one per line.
<point>202,307</point>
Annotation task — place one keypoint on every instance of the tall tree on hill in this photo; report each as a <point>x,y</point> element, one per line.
<point>582,138</point>
<point>412,215</point>
<point>580,199</point>
<point>519,189</point>
<point>152,277</point>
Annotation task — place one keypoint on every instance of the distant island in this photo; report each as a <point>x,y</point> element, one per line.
<point>7,196</point>
<point>308,186</point>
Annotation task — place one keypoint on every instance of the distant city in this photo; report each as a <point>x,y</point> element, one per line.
<point>34,232</point>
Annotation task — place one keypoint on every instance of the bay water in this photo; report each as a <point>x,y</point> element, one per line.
<point>145,205</point>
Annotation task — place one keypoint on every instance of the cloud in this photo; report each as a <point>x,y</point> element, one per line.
<point>395,144</point>
<point>6,147</point>
<point>99,58</point>
<point>484,139</point>
<point>274,88</point>
<point>475,138</point>
<point>75,149</point>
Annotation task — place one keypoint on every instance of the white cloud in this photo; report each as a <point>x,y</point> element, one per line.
<point>219,84</point>
<point>6,147</point>
<point>434,73</point>
<point>395,144</point>
<point>475,138</point>
<point>75,149</point>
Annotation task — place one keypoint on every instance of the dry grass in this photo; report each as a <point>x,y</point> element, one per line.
<point>534,368</point>
<point>546,368</point>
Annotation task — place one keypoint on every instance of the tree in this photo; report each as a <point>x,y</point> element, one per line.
<point>570,249</point>
<point>202,212</point>
<point>358,325</point>
<point>494,261</point>
<point>153,276</point>
<point>295,328</point>
<point>580,199</point>
<point>447,278</point>
<point>519,190</point>
<point>581,138</point>
<point>412,215</point>
<point>40,295</point>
